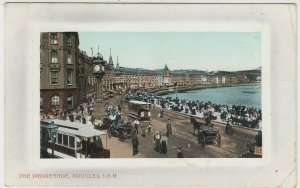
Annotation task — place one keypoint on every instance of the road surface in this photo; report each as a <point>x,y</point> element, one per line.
<point>232,145</point>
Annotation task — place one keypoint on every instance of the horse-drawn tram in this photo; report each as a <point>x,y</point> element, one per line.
<point>139,110</point>
<point>64,139</point>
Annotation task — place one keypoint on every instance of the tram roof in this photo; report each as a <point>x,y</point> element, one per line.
<point>84,132</point>
<point>74,128</point>
<point>138,102</point>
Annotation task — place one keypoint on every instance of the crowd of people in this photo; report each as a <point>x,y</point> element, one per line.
<point>239,114</point>
<point>83,113</point>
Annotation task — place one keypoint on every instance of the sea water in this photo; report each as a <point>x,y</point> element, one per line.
<point>249,96</point>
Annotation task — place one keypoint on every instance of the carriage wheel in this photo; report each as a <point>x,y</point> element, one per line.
<point>115,133</point>
<point>122,135</point>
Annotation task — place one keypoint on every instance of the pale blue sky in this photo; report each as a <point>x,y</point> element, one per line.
<point>179,50</point>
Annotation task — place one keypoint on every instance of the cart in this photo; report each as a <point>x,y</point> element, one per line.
<point>207,135</point>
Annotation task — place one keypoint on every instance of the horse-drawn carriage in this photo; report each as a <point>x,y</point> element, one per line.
<point>122,130</point>
<point>206,133</point>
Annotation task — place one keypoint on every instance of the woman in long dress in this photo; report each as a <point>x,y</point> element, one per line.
<point>164,144</point>
<point>157,138</point>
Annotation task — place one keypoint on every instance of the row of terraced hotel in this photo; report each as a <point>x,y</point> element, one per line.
<point>67,79</point>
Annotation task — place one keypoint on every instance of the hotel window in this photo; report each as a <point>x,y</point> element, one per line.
<point>69,41</point>
<point>71,142</point>
<point>69,60</point>
<point>53,37</point>
<point>54,77</point>
<point>53,56</point>
<point>41,103</point>
<point>55,100</point>
<point>69,77</point>
<point>70,102</point>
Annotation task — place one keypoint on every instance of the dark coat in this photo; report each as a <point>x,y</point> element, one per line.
<point>135,140</point>
<point>179,154</point>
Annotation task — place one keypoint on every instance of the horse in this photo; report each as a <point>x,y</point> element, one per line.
<point>196,124</point>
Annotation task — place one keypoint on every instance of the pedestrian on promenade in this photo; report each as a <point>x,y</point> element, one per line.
<point>169,128</point>
<point>156,141</point>
<point>229,127</point>
<point>164,143</point>
<point>109,129</point>
<point>258,139</point>
<point>208,121</point>
<point>161,113</point>
<point>91,111</point>
<point>149,127</point>
<point>179,153</point>
<point>143,128</point>
<point>83,120</point>
<point>135,144</point>
<point>136,124</point>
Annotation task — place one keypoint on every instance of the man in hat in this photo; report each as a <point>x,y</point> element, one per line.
<point>161,113</point>
<point>229,127</point>
<point>169,127</point>
<point>136,125</point>
<point>135,144</point>
<point>149,127</point>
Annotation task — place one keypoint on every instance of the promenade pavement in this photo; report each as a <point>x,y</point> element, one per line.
<point>183,137</point>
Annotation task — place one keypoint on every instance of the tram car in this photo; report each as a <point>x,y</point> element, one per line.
<point>139,110</point>
<point>65,139</point>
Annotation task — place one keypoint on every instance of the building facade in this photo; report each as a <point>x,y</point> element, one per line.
<point>67,79</point>
<point>59,81</point>
<point>87,81</point>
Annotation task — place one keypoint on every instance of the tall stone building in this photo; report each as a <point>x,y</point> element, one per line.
<point>59,81</point>
<point>87,81</point>
<point>166,75</point>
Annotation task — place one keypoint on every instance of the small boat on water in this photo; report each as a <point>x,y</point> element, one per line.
<point>250,92</point>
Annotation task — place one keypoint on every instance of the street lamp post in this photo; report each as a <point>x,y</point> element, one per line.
<point>99,72</point>
<point>52,130</point>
